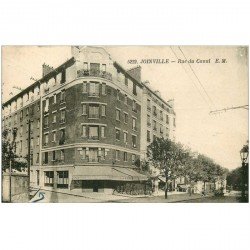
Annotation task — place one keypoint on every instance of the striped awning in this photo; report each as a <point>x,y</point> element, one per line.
<point>107,173</point>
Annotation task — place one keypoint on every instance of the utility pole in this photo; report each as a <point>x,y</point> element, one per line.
<point>28,155</point>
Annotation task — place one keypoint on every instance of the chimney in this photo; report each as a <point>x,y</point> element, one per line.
<point>146,83</point>
<point>47,69</point>
<point>136,73</point>
<point>157,92</point>
<point>171,102</point>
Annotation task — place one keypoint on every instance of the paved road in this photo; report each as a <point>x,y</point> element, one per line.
<point>45,196</point>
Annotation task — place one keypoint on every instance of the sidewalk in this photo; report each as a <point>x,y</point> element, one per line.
<point>102,197</point>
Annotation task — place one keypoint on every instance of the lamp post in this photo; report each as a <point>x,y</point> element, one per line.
<point>244,156</point>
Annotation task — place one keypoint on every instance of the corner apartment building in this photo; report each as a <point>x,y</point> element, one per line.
<point>87,123</point>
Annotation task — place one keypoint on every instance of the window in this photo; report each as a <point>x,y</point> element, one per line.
<point>148,136</point>
<point>46,140</point>
<point>85,66</point>
<point>93,111</point>
<point>101,153</point>
<point>133,123</point>
<point>54,98</point>
<point>21,130</point>
<point>133,159</point>
<point>38,107</point>
<point>49,178</point>
<point>21,145</point>
<point>46,107</point>
<point>133,141</point>
<point>38,140</point>
<point>31,143</point>
<point>63,112</point>
<point>53,136</point>
<point>174,122</point>
<point>53,155</point>
<point>103,110</point>
<point>161,115</point>
<point>148,104</point>
<point>125,156</point>
<point>15,119</point>
<point>125,137</point>
<point>167,119</point>
<point>94,89</point>
<point>148,120</point>
<point>103,88</point>
<point>154,137</point>
<point>161,129</point>
<point>38,123</point>
<point>93,155</point>
<point>134,106</point>
<point>83,153</point>
<point>84,90</point>
<point>117,155</point>
<point>117,134</point>
<point>154,111</point>
<point>37,157</point>
<point>126,99</point>
<point>118,114</point>
<point>134,89</point>
<point>118,94</point>
<point>62,154</point>
<point>154,125</point>
<point>62,96</point>
<point>94,68</point>
<point>62,179</point>
<point>84,109</point>
<point>125,118</point>
<point>27,111</point>
<point>103,132</point>
<point>54,118</point>
<point>94,132</point>
<point>46,158</point>
<point>126,81</point>
<point>21,115</point>
<point>63,79</point>
<point>46,122</point>
<point>84,131</point>
<point>62,137</point>
<point>103,67</point>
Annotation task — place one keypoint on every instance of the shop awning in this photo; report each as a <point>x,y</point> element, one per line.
<point>107,173</point>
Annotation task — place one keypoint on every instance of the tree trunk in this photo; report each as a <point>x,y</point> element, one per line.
<point>166,186</point>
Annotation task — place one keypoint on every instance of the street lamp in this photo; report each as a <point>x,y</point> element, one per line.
<point>244,156</point>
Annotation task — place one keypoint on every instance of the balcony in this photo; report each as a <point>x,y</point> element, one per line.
<point>62,121</point>
<point>96,73</point>
<point>94,137</point>
<point>93,94</point>
<point>93,116</point>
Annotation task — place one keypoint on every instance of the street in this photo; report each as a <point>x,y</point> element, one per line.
<point>45,196</point>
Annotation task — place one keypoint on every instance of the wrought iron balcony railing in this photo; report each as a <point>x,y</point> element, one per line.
<point>97,73</point>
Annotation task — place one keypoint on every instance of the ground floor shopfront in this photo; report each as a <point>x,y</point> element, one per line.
<point>104,179</point>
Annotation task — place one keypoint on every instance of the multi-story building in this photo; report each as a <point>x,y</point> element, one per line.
<point>87,119</point>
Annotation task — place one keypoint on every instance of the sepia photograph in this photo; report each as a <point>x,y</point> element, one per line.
<point>124,124</point>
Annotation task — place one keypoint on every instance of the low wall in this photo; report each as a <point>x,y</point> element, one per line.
<point>19,187</point>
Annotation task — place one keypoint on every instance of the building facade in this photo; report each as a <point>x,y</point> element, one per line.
<point>85,121</point>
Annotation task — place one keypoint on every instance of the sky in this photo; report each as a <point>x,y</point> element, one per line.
<point>196,90</point>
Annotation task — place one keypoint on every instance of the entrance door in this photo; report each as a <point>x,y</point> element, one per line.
<point>95,186</point>
<point>37,177</point>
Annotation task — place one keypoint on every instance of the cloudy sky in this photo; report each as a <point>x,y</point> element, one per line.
<point>216,86</point>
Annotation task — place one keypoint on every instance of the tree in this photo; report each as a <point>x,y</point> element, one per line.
<point>8,151</point>
<point>168,157</point>
<point>8,147</point>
